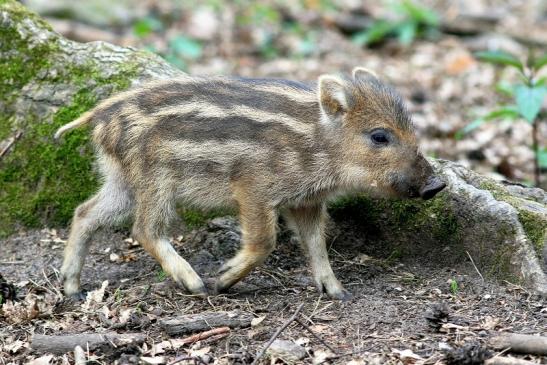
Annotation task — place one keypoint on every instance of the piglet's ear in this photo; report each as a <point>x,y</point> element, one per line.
<point>333,97</point>
<point>359,73</point>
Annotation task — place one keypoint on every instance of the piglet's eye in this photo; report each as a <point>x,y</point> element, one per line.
<point>379,137</point>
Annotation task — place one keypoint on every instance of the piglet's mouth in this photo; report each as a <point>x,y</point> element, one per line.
<point>432,186</point>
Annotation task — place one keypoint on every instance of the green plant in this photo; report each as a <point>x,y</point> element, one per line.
<point>453,286</point>
<point>162,275</point>
<point>180,49</point>
<point>118,295</point>
<point>411,21</point>
<point>526,98</point>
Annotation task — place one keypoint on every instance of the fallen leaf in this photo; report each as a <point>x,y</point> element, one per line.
<point>256,321</point>
<point>321,356</point>
<point>95,296</point>
<point>15,346</point>
<point>407,356</point>
<point>490,323</point>
<point>153,360</point>
<point>43,360</point>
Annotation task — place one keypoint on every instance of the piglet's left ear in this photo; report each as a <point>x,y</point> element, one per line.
<point>362,73</point>
<point>333,97</point>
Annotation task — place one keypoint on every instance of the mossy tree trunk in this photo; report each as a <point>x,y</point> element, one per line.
<point>47,81</point>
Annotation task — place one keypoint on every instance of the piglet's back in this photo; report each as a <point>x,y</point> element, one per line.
<point>202,110</point>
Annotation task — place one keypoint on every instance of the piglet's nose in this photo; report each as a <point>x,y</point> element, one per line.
<point>432,186</point>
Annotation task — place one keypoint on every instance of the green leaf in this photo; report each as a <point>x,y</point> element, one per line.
<point>542,158</point>
<point>540,62</point>
<point>145,26</point>
<point>185,47</point>
<point>529,100</point>
<point>505,88</point>
<point>507,112</point>
<point>407,32</point>
<point>473,125</point>
<point>500,58</point>
<point>420,14</point>
<point>377,31</point>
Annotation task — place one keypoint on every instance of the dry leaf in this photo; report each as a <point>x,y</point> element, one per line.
<point>407,356</point>
<point>256,321</point>
<point>321,356</point>
<point>43,360</point>
<point>490,323</point>
<point>15,346</point>
<point>195,351</point>
<point>159,348</point>
<point>95,296</point>
<point>153,360</point>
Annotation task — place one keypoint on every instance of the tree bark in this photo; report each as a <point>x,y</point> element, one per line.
<point>205,321</point>
<point>524,344</point>
<point>62,344</point>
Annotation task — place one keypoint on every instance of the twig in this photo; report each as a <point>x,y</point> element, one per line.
<point>79,356</point>
<point>507,361</point>
<point>277,333</point>
<point>12,262</point>
<point>475,266</point>
<point>315,335</point>
<point>524,344</point>
<point>203,335</point>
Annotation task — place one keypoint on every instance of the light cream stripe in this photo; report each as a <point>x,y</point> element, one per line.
<point>301,96</point>
<point>207,110</point>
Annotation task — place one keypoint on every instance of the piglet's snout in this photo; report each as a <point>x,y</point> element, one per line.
<point>432,186</point>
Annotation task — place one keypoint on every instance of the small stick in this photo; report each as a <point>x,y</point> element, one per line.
<point>507,361</point>
<point>475,266</point>
<point>79,356</point>
<point>203,335</point>
<point>524,344</point>
<point>297,320</point>
<point>277,333</point>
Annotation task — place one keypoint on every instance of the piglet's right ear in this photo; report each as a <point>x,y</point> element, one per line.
<point>333,97</point>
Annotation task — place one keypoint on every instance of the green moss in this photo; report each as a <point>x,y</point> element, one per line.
<point>535,229</point>
<point>402,215</point>
<point>20,61</point>
<point>42,181</point>
<point>194,218</point>
<point>534,225</point>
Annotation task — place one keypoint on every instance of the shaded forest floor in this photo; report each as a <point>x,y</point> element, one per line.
<point>404,310</point>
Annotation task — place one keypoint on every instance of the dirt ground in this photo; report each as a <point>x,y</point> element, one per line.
<point>403,311</point>
<point>422,308</point>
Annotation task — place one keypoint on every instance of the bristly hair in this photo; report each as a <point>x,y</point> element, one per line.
<point>386,99</point>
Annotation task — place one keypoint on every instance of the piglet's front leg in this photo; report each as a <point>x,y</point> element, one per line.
<point>308,222</point>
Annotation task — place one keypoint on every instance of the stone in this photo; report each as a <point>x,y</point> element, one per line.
<point>286,350</point>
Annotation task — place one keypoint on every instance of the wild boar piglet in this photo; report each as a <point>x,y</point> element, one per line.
<point>266,147</point>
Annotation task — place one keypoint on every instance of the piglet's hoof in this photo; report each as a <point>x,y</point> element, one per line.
<point>200,292</point>
<point>220,288</point>
<point>342,295</point>
<point>78,296</point>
